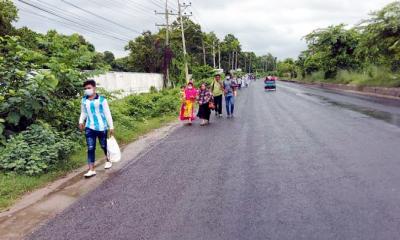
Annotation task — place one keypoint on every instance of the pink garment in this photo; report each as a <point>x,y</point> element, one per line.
<point>190,94</point>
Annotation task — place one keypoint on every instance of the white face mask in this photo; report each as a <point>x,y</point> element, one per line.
<point>89,92</point>
<point>228,77</point>
<point>190,87</point>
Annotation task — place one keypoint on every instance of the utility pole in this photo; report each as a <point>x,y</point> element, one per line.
<point>184,6</point>
<point>233,61</point>
<point>245,63</point>
<point>219,56</point>
<point>213,52</point>
<point>167,13</point>
<point>204,52</point>
<point>237,60</point>
<point>250,66</point>
<point>230,63</point>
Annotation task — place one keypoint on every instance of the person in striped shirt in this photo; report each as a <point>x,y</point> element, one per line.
<point>96,121</point>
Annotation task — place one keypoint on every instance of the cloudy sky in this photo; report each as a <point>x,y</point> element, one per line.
<point>261,25</point>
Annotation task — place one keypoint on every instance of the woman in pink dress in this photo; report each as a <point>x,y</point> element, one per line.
<point>188,100</point>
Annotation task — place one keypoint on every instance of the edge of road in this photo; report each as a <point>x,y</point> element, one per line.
<point>35,208</point>
<point>381,92</point>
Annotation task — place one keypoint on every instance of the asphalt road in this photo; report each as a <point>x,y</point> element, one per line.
<point>299,163</point>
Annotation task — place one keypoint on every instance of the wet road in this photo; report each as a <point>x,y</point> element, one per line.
<point>300,163</point>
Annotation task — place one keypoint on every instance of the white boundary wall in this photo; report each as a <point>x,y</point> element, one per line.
<point>128,82</point>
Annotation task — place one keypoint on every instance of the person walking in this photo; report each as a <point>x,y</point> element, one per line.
<point>204,99</point>
<point>229,89</point>
<point>96,121</point>
<point>188,101</point>
<point>217,89</point>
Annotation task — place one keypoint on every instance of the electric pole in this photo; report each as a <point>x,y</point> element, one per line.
<point>219,56</point>
<point>167,13</point>
<point>180,7</point>
<point>204,52</point>
<point>213,52</point>
<point>245,62</point>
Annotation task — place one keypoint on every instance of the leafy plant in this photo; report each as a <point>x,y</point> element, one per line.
<point>35,150</point>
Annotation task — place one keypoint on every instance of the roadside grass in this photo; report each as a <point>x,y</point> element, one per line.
<point>370,77</point>
<point>14,186</point>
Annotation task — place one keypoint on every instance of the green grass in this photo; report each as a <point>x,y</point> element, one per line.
<point>13,186</point>
<point>369,77</point>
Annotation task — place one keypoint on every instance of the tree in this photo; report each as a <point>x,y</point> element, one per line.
<point>331,49</point>
<point>380,42</point>
<point>145,53</point>
<point>287,68</point>
<point>109,58</point>
<point>8,15</point>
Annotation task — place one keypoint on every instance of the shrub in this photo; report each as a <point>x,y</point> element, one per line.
<point>202,72</point>
<point>317,76</point>
<point>35,150</point>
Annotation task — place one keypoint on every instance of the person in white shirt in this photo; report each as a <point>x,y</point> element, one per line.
<point>96,121</point>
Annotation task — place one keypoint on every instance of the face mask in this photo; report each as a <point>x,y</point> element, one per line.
<point>228,77</point>
<point>89,92</point>
<point>190,87</point>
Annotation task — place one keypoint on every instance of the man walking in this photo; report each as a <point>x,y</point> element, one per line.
<point>229,89</point>
<point>96,120</point>
<point>217,90</point>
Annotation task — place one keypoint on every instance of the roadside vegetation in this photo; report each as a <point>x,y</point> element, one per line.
<point>365,55</point>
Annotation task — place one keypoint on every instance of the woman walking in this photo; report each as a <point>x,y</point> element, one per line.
<point>204,99</point>
<point>188,99</point>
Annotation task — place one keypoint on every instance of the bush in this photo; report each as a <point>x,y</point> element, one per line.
<point>203,72</point>
<point>317,76</point>
<point>35,150</point>
<point>371,76</point>
<point>143,106</point>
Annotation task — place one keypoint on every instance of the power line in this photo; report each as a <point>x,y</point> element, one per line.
<point>101,17</point>
<point>85,22</point>
<point>69,20</point>
<point>67,25</point>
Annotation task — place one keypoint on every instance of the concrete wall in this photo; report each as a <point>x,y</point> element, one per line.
<point>129,83</point>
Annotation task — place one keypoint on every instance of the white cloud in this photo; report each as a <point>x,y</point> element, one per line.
<point>261,25</point>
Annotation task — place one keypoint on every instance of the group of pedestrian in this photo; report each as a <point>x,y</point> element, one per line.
<point>208,98</point>
<point>97,124</point>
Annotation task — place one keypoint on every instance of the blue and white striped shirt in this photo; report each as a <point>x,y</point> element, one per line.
<point>96,113</point>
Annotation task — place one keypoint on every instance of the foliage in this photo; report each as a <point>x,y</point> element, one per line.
<point>380,44</point>
<point>24,93</point>
<point>331,49</point>
<point>202,72</point>
<point>30,93</point>
<point>287,68</point>
<point>355,55</point>
<point>145,53</point>
<point>8,14</point>
<point>35,150</point>
<point>143,106</point>
<point>148,53</point>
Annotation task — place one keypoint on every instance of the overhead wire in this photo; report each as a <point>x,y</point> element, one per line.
<point>67,25</point>
<point>67,19</point>
<point>98,16</point>
<point>81,19</point>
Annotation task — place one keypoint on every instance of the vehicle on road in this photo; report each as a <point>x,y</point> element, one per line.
<point>270,83</point>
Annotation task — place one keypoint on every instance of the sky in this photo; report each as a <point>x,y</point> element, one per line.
<point>262,26</point>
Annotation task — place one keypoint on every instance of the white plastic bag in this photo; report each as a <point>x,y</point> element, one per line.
<point>113,151</point>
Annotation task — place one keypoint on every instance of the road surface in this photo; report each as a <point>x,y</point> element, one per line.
<point>299,163</point>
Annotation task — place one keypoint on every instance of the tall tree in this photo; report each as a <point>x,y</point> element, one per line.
<point>380,42</point>
<point>145,53</point>
<point>8,14</point>
<point>333,48</point>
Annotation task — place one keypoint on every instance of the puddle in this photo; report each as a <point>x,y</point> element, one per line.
<point>388,117</point>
